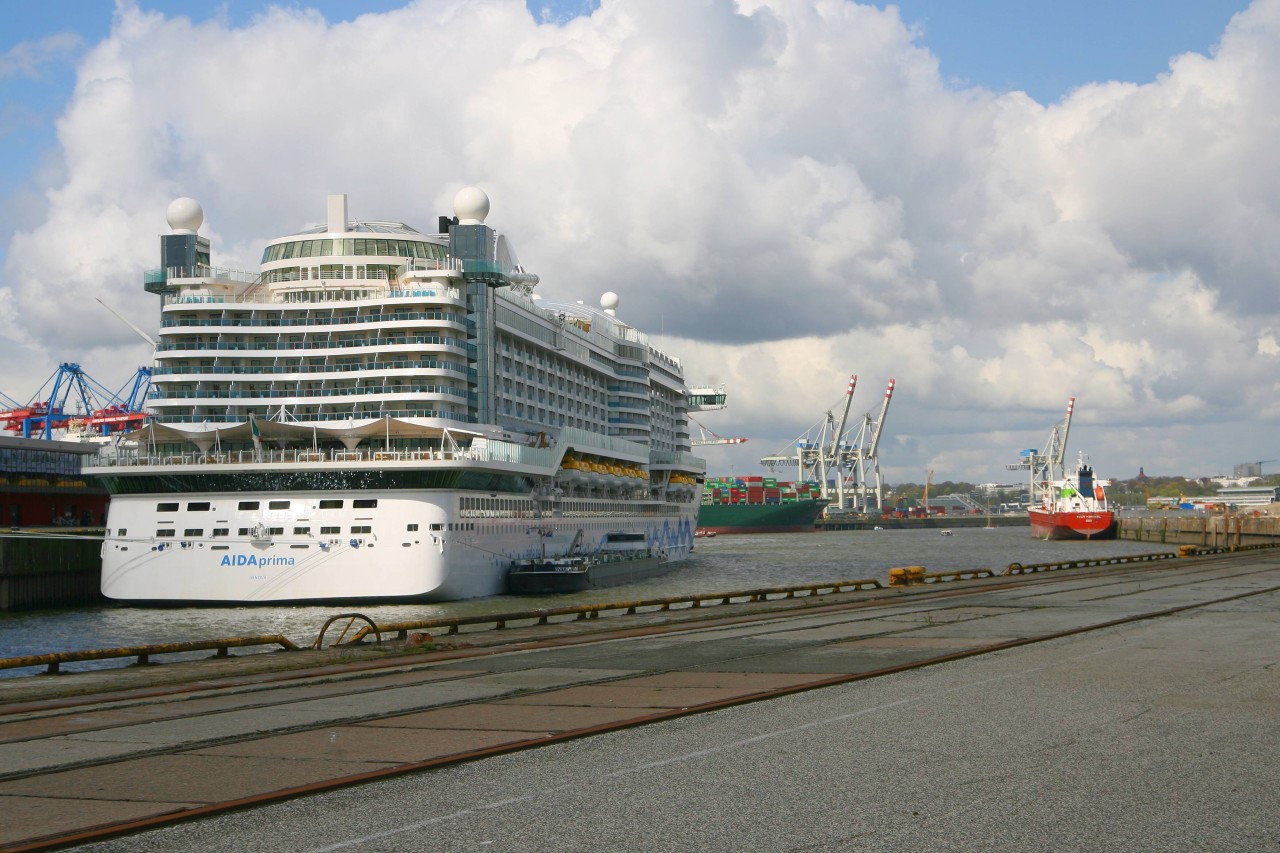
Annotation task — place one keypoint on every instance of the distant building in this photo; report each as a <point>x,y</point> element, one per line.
<point>41,484</point>
<point>1247,495</point>
<point>1248,469</point>
<point>953,505</point>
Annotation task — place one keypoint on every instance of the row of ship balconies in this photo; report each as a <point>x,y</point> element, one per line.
<point>240,414</point>
<point>421,391</point>
<point>429,342</point>
<point>313,322</point>
<point>396,367</point>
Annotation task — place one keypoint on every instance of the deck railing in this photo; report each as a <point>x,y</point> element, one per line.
<point>492,451</point>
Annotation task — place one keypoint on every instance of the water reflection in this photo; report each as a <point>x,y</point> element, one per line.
<point>722,564</point>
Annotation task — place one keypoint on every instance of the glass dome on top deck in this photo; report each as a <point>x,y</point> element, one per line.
<point>361,239</point>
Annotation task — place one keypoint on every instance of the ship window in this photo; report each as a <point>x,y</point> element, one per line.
<point>219,547</point>
<point>221,531</point>
<point>164,532</point>
<point>302,531</point>
<point>365,503</point>
<point>166,507</point>
<point>277,505</point>
<point>411,527</point>
<point>243,531</point>
<point>331,504</point>
<point>248,504</point>
<point>193,532</point>
<point>330,531</point>
<point>198,506</point>
<point>361,528</point>
<point>437,527</point>
<point>275,531</point>
<point>300,546</point>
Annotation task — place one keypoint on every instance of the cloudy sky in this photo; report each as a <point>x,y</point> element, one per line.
<point>1000,206</point>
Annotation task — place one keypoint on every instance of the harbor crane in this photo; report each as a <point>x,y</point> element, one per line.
<point>100,410</point>
<point>831,449</point>
<point>707,436</point>
<point>1047,465</point>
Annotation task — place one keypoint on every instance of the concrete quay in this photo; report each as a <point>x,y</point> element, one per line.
<point>1124,707</point>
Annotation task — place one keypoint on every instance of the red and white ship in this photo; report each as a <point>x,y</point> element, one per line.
<point>1065,505</point>
<point>1074,507</point>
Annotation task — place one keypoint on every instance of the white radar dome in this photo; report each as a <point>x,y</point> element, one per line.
<point>609,302</point>
<point>184,214</point>
<point>471,206</point>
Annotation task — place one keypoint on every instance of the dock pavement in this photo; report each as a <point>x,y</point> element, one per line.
<point>1117,707</point>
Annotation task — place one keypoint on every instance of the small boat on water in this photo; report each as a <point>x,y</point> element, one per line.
<point>625,557</point>
<point>945,532</point>
<point>704,533</point>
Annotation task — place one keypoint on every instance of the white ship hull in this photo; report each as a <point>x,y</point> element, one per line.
<point>461,559</point>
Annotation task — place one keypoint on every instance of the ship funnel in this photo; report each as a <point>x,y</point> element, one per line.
<point>337,223</point>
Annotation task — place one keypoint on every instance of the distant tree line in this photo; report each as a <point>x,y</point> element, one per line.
<point>1131,492</point>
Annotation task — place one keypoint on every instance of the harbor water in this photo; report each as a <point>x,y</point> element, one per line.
<point>720,564</point>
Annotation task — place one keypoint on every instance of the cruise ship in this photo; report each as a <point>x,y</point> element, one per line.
<point>381,414</point>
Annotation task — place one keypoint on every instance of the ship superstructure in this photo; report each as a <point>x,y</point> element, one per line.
<point>382,414</point>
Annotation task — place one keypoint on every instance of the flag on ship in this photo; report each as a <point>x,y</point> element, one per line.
<point>256,432</point>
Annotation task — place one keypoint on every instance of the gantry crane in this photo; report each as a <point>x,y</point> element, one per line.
<point>827,450</point>
<point>101,410</point>
<point>1047,464</point>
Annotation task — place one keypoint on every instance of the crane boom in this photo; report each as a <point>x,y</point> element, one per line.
<point>884,410</point>
<point>1061,449</point>
<point>830,447</point>
<point>702,439</point>
<point>844,416</point>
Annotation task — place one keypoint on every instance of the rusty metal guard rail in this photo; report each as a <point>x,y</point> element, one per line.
<point>143,653</point>
<point>592,611</point>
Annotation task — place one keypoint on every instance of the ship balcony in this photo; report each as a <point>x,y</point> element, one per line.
<point>162,374</point>
<point>332,418</point>
<point>428,343</point>
<point>286,444</point>
<point>252,396</point>
<point>217,322</point>
<point>220,282</point>
<point>430,274</point>
<point>334,293</point>
<point>641,391</point>
<point>636,422</point>
<point>640,407</point>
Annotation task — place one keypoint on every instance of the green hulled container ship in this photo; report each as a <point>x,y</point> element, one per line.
<point>758,505</point>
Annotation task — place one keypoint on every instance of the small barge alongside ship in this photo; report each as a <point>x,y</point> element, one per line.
<point>623,558</point>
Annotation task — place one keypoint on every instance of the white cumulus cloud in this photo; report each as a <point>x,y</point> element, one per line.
<point>783,193</point>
